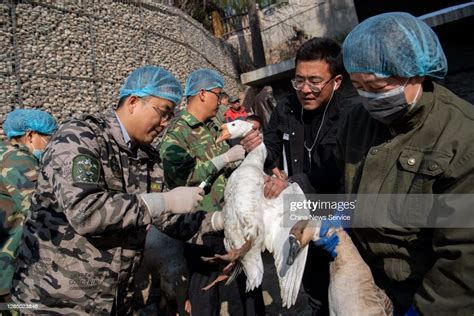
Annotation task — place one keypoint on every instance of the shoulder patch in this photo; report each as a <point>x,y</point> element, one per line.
<point>85,169</point>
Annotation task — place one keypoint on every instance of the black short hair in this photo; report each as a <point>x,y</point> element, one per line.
<point>121,102</point>
<point>321,48</point>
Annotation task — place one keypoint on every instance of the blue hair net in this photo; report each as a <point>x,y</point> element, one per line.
<point>394,44</point>
<point>152,81</point>
<point>20,121</point>
<point>203,79</point>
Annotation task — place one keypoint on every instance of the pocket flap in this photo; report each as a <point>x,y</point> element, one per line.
<point>427,162</point>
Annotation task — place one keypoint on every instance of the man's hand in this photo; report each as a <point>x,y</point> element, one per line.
<point>328,238</point>
<point>183,199</point>
<point>280,174</point>
<point>180,200</point>
<point>251,140</point>
<point>217,220</point>
<point>234,154</point>
<point>272,187</point>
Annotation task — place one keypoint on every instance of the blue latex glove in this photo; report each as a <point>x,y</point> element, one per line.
<point>328,243</point>
<point>410,312</point>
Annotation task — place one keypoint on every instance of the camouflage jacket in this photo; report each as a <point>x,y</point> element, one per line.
<point>187,149</point>
<point>19,172</point>
<point>84,238</point>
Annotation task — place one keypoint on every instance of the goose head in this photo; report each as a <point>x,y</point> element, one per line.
<point>301,234</point>
<point>234,130</point>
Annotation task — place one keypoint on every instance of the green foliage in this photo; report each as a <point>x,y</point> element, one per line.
<point>200,9</point>
<point>240,6</point>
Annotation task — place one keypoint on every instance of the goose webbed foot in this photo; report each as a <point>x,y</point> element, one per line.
<point>222,277</point>
<point>232,255</point>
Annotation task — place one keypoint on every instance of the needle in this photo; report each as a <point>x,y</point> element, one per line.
<point>205,183</point>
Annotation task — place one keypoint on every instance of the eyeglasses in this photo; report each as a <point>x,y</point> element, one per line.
<point>298,84</point>
<point>165,115</point>
<point>218,95</point>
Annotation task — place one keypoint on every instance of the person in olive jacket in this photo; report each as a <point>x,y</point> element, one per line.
<point>414,138</point>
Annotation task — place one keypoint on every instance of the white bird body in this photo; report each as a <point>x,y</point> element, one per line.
<point>249,216</point>
<point>243,214</point>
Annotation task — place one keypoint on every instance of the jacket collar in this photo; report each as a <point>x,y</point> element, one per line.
<point>190,119</point>
<point>112,122</point>
<point>16,145</point>
<point>113,125</point>
<point>125,135</point>
<point>242,110</point>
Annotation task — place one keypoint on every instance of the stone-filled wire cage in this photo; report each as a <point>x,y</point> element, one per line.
<point>71,57</point>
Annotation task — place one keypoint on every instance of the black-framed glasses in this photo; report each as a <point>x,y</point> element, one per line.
<point>218,95</point>
<point>298,84</point>
<point>165,115</point>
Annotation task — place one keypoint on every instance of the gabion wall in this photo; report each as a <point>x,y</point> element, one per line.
<point>70,57</point>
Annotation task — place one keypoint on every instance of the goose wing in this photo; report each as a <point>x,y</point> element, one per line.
<point>277,227</point>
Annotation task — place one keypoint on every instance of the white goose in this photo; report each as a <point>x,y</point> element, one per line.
<point>254,223</point>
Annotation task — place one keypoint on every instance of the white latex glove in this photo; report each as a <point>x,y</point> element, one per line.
<point>183,199</point>
<point>179,201</point>
<point>236,153</point>
<point>217,221</point>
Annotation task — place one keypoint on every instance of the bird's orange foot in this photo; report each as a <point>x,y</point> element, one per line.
<point>232,255</point>
<point>224,276</point>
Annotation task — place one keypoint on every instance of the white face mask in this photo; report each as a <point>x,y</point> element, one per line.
<point>38,153</point>
<point>387,106</point>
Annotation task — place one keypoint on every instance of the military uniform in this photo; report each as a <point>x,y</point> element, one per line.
<point>187,149</point>
<point>19,172</point>
<point>429,151</point>
<point>85,234</point>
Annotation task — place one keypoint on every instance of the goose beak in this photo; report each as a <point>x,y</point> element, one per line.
<point>225,134</point>
<point>294,249</point>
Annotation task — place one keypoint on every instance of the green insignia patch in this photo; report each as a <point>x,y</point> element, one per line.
<point>85,169</point>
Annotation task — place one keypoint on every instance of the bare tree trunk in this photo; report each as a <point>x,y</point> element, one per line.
<point>257,43</point>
